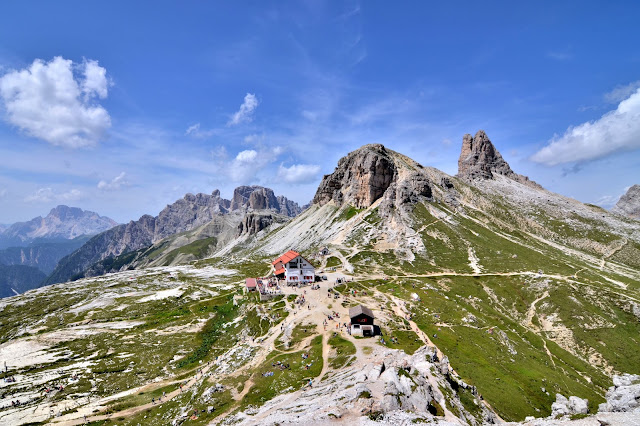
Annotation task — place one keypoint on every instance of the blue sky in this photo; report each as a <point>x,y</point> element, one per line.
<point>123,107</point>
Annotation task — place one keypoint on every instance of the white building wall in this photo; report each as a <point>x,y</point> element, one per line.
<point>298,269</point>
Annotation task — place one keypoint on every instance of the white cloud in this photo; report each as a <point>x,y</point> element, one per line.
<point>192,129</point>
<point>95,80</point>
<point>47,195</point>
<point>49,101</point>
<point>622,92</point>
<point>196,132</point>
<point>246,165</point>
<point>247,156</point>
<point>253,139</point>
<point>617,130</point>
<point>245,113</point>
<point>115,183</point>
<point>298,173</point>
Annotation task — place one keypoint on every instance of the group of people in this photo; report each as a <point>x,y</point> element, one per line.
<point>280,365</point>
<point>268,286</point>
<point>58,388</point>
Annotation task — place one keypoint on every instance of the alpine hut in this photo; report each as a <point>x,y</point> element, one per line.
<point>361,321</point>
<point>294,268</point>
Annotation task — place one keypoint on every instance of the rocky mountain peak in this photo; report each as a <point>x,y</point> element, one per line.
<point>360,178</point>
<point>63,212</point>
<point>479,159</point>
<point>61,222</point>
<point>260,198</point>
<point>629,203</point>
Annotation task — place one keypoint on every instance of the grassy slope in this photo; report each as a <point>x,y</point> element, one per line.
<point>593,310</point>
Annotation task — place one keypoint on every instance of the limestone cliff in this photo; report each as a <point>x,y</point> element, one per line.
<point>360,178</point>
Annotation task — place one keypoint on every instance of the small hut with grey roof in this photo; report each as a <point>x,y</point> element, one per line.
<point>361,321</point>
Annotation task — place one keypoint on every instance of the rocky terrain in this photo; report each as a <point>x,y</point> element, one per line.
<point>498,301</point>
<point>629,203</point>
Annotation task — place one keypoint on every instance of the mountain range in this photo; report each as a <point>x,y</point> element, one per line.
<point>496,298</point>
<point>193,218</point>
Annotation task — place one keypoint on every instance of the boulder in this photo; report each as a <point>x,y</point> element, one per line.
<point>624,395</point>
<point>560,407</point>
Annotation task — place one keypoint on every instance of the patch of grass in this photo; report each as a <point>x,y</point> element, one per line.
<point>298,334</point>
<point>197,249</point>
<point>348,213</point>
<point>333,262</point>
<point>508,373</point>
<point>344,351</point>
<point>288,380</point>
<point>435,409</point>
<point>211,333</point>
<point>364,394</point>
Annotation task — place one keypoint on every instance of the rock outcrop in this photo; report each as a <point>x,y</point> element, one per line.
<point>254,222</point>
<point>255,197</point>
<point>393,387</point>
<point>187,213</point>
<point>624,395</point>
<point>629,204</point>
<point>479,159</point>
<point>360,178</point>
<point>571,406</point>
<point>373,172</point>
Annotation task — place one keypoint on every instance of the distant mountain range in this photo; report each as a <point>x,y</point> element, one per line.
<point>29,251</point>
<point>62,222</point>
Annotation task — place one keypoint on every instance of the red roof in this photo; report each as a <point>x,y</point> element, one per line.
<point>251,282</point>
<point>279,271</point>
<point>286,257</point>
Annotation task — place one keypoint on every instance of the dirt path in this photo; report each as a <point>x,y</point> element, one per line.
<point>294,395</point>
<point>79,417</point>
<point>531,312</point>
<point>612,252</point>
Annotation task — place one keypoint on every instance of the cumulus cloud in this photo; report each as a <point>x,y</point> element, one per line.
<point>115,183</point>
<point>56,101</point>
<point>245,113</point>
<point>247,156</point>
<point>247,164</point>
<point>47,195</point>
<point>298,173</point>
<point>617,130</point>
